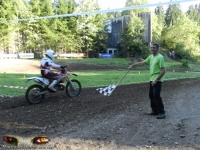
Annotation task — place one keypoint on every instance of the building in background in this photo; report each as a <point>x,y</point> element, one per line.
<point>115,27</point>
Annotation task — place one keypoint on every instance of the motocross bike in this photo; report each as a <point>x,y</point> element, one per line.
<point>35,93</point>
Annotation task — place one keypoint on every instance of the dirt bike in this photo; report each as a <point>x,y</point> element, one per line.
<point>35,93</point>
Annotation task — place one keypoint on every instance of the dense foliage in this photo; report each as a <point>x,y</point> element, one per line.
<point>64,34</point>
<point>173,29</point>
<point>180,31</point>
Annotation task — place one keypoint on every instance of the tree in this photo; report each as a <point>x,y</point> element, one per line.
<point>46,26</point>
<point>158,23</point>
<point>33,34</point>
<point>100,41</point>
<point>8,11</point>
<point>65,27</point>
<point>159,11</point>
<point>112,15</point>
<point>193,13</point>
<point>157,28</point>
<point>135,3</point>
<point>131,38</point>
<point>88,26</point>
<point>182,36</point>
<point>21,28</point>
<point>172,14</point>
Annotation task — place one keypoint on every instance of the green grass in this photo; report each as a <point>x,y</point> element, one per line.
<point>126,62</point>
<point>103,78</point>
<point>14,80</point>
<point>121,62</point>
<point>178,66</point>
<point>90,79</point>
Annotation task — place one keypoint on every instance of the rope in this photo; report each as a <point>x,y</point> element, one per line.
<point>13,87</point>
<point>101,11</point>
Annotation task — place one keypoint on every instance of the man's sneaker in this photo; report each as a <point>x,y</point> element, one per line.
<point>160,116</point>
<point>152,113</point>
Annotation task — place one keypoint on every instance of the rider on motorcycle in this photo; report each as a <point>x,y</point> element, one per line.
<point>46,64</point>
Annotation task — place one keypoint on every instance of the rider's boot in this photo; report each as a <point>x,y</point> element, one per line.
<point>51,86</point>
<point>62,84</point>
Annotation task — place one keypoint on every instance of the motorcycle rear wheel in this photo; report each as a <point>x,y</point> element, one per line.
<point>32,94</point>
<point>74,89</point>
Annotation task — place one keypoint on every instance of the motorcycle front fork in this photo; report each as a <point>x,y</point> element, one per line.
<point>68,80</point>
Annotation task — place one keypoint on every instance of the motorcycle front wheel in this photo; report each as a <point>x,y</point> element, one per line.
<point>73,88</point>
<point>32,94</point>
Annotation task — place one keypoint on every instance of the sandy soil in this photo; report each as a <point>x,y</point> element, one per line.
<point>33,66</point>
<point>93,121</point>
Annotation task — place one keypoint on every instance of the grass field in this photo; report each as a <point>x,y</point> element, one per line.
<point>90,79</point>
<point>126,62</point>
<point>121,62</point>
<point>103,78</point>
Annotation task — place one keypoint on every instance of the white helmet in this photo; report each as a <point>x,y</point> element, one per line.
<point>49,53</point>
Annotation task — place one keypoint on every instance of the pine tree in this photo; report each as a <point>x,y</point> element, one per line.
<point>172,14</point>
<point>100,40</point>
<point>159,11</point>
<point>7,12</point>
<point>47,32</point>
<point>131,37</point>
<point>198,16</point>
<point>182,37</point>
<point>89,25</point>
<point>65,27</point>
<point>33,35</point>
<point>112,15</point>
<point>22,27</point>
<point>157,28</point>
<point>158,23</point>
<point>193,13</point>
<point>135,3</point>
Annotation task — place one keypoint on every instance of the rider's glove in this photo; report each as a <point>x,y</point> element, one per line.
<point>62,67</point>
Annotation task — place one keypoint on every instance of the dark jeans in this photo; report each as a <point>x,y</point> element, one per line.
<point>155,99</point>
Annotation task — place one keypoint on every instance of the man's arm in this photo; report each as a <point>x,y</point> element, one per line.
<point>162,72</point>
<point>54,66</point>
<point>136,64</point>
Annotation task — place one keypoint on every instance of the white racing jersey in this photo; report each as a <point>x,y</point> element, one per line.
<point>46,64</point>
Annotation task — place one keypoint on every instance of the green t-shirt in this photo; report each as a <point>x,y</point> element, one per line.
<point>156,64</point>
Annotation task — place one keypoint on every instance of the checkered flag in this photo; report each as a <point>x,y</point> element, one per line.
<point>107,90</point>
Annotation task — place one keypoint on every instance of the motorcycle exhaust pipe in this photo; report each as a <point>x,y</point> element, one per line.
<point>41,93</point>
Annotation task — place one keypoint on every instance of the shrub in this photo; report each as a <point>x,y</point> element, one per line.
<point>183,55</point>
<point>185,63</point>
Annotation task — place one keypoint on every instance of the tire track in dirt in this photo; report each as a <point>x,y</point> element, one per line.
<point>115,122</point>
<point>93,121</point>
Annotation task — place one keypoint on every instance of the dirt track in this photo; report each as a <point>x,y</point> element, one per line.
<point>92,121</point>
<point>33,66</point>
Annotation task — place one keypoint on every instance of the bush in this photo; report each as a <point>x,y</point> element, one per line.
<point>185,63</point>
<point>181,55</point>
<point>180,47</point>
<point>139,50</point>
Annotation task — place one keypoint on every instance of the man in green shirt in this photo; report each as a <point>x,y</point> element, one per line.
<point>157,71</point>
